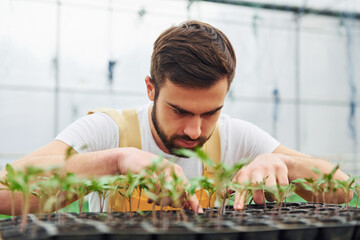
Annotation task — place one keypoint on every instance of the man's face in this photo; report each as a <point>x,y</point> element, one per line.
<point>185,117</point>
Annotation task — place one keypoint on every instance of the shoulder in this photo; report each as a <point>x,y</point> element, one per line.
<point>96,131</point>
<point>227,123</point>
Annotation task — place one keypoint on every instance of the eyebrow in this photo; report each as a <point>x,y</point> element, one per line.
<point>183,111</point>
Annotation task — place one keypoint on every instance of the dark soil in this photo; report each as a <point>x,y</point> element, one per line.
<point>295,221</point>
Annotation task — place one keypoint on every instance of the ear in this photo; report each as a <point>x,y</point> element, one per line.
<point>150,88</point>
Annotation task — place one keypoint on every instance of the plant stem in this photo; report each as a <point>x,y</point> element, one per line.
<point>201,192</point>
<point>81,203</point>
<point>26,200</point>
<point>13,206</point>
<point>130,212</point>
<point>138,206</point>
<point>153,214</point>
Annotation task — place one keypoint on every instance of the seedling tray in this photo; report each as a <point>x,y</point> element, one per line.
<point>295,221</point>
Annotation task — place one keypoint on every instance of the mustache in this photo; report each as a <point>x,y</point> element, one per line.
<point>187,138</point>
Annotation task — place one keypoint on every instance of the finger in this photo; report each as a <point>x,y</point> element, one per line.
<point>269,197</point>
<point>270,181</point>
<point>185,205</point>
<point>283,179</point>
<point>239,201</point>
<point>230,191</point>
<point>258,195</point>
<point>195,204</point>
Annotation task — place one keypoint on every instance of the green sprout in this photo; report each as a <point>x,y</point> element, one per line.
<point>280,192</point>
<point>130,183</point>
<point>356,189</point>
<point>22,181</point>
<point>346,186</point>
<point>205,184</point>
<point>223,181</point>
<point>101,187</point>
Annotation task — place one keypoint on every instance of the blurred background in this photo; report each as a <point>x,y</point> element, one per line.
<point>297,73</point>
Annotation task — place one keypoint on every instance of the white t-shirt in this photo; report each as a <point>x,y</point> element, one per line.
<point>239,139</point>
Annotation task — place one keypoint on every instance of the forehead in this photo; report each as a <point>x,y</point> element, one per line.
<point>197,100</point>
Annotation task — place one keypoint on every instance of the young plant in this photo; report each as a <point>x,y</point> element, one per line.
<point>128,185</point>
<point>309,184</point>
<point>13,185</point>
<point>81,190</point>
<point>280,192</point>
<point>243,188</point>
<point>47,191</point>
<point>356,189</point>
<point>330,186</point>
<point>205,184</point>
<point>155,181</point>
<point>101,187</point>
<point>261,186</point>
<point>23,182</point>
<point>176,191</point>
<point>346,186</point>
<point>223,181</point>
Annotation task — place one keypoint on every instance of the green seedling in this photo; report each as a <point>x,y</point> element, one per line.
<point>176,189</point>
<point>243,188</point>
<point>314,186</point>
<point>13,185</point>
<point>280,192</point>
<point>206,184</point>
<point>346,186</point>
<point>260,186</point>
<point>356,189</point>
<point>23,182</point>
<point>155,183</point>
<point>81,190</point>
<point>223,181</point>
<point>101,187</point>
<point>330,185</point>
<point>130,183</point>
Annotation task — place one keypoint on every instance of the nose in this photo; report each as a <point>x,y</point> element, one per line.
<point>193,128</point>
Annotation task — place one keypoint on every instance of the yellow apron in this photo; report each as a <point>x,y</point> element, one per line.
<point>130,136</point>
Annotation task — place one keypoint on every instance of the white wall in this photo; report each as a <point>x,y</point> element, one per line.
<point>90,34</point>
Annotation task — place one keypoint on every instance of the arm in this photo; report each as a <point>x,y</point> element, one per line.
<point>283,166</point>
<point>300,166</point>
<point>105,162</point>
<point>53,154</point>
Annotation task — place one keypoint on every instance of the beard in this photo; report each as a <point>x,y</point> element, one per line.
<point>169,142</point>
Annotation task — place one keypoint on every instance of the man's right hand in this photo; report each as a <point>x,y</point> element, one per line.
<point>136,161</point>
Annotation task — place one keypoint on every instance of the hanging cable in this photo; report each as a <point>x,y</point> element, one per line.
<point>352,101</point>
<point>276,98</point>
<point>351,81</point>
<point>111,61</point>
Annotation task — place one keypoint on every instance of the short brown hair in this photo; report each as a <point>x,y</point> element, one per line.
<point>193,54</point>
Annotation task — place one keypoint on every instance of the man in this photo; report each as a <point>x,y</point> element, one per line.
<point>192,68</point>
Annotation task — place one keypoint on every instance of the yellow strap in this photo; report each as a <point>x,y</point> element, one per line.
<point>213,149</point>
<point>128,124</point>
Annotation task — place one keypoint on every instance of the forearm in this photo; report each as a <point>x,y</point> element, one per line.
<point>302,167</point>
<point>86,164</point>
<point>91,164</point>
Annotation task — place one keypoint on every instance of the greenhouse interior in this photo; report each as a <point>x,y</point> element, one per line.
<point>295,80</point>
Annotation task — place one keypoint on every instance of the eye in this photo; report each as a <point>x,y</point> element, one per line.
<point>208,115</point>
<point>176,111</point>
